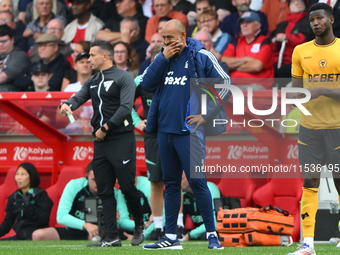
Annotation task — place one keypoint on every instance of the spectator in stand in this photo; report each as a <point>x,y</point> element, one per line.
<point>225,8</point>
<point>231,25</point>
<point>7,17</point>
<point>40,77</point>
<point>48,53</point>
<point>155,39</point>
<point>125,58</point>
<point>125,9</point>
<point>163,8</point>
<point>97,8</point>
<point>6,5</point>
<point>37,27</point>
<point>250,57</point>
<point>296,30</point>
<point>59,8</point>
<point>13,60</point>
<point>84,71</point>
<point>85,27</point>
<point>72,202</point>
<point>54,26</point>
<point>276,12</point>
<point>335,4</point>
<point>28,208</point>
<point>71,75</point>
<point>201,6</point>
<point>182,6</point>
<point>162,21</point>
<point>130,33</point>
<point>208,21</point>
<point>190,209</point>
<point>83,117</point>
<point>205,38</point>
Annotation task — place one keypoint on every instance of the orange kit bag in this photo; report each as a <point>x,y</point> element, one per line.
<point>265,220</point>
<point>249,239</point>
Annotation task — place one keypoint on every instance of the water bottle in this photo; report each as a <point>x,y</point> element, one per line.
<point>334,240</point>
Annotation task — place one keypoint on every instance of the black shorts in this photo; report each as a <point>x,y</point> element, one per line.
<point>318,148</point>
<point>72,234</point>
<point>153,161</point>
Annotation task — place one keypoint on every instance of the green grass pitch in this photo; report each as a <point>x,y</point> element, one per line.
<point>191,247</point>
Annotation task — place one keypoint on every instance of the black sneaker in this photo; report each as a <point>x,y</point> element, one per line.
<point>156,234</point>
<point>138,235</point>
<point>106,242</point>
<point>180,233</point>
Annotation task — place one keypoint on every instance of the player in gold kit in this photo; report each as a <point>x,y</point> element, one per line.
<point>316,67</point>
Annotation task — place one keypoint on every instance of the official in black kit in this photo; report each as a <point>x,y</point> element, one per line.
<point>112,92</point>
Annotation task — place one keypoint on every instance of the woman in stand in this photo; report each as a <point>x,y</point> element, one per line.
<point>29,207</point>
<point>125,58</point>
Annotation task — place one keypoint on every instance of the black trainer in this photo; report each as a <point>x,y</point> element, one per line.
<point>106,242</point>
<point>138,235</point>
<point>180,233</point>
<point>156,234</point>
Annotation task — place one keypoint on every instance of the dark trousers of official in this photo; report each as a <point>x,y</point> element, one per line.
<point>116,158</point>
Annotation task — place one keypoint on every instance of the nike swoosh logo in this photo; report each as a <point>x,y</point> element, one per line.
<point>93,86</point>
<point>109,243</point>
<point>126,161</point>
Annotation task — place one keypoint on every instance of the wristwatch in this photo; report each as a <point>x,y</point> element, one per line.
<point>102,128</point>
<point>62,104</point>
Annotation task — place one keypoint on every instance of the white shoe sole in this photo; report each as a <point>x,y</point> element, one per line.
<point>177,247</point>
<point>222,248</point>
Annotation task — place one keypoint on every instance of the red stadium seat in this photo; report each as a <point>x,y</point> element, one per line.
<point>242,188</point>
<point>6,189</point>
<point>285,193</point>
<point>67,173</point>
<point>188,223</point>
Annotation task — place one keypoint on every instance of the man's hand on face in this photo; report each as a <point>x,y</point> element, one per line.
<point>125,33</point>
<point>172,49</point>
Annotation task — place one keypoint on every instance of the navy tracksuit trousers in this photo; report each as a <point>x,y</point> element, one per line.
<point>178,153</point>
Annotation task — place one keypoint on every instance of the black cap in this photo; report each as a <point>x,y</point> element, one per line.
<point>40,67</point>
<point>82,55</point>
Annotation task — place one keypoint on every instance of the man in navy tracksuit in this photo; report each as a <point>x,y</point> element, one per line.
<point>174,114</point>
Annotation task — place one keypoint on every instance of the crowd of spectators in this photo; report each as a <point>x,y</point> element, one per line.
<point>135,26</point>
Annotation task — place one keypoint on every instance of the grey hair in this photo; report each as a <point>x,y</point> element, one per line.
<point>203,32</point>
<point>60,21</point>
<point>134,20</point>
